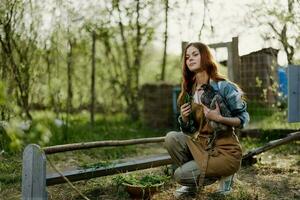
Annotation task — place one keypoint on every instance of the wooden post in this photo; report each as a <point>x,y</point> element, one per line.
<point>230,62</point>
<point>235,60</point>
<point>34,173</point>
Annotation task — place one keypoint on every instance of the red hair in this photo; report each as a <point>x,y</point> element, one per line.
<point>207,63</point>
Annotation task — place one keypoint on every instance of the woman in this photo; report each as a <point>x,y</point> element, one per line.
<point>203,154</point>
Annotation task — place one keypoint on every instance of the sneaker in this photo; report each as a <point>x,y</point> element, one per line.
<point>225,185</point>
<point>185,191</point>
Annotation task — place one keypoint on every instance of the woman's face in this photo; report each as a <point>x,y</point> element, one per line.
<point>193,59</point>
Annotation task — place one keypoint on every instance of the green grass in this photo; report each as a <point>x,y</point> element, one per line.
<point>269,117</point>
<point>79,129</point>
<point>10,171</point>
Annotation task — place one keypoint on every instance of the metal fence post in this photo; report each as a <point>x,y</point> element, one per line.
<point>34,173</point>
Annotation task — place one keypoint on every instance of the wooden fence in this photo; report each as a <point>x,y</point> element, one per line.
<point>35,179</point>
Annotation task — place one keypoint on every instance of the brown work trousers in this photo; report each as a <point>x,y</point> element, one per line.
<point>194,160</point>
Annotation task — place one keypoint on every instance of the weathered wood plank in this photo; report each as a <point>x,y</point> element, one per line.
<point>34,173</point>
<point>219,45</point>
<point>107,143</point>
<point>77,175</point>
<point>235,60</point>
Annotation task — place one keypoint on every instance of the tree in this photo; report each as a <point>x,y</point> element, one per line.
<point>93,91</point>
<point>279,21</point>
<point>70,62</point>
<point>124,43</point>
<point>19,47</point>
<point>163,66</point>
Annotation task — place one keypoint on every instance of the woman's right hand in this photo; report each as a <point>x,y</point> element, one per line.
<point>185,111</point>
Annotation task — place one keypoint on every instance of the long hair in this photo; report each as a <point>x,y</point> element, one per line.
<point>207,63</point>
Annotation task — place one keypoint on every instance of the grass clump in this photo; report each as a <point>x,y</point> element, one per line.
<point>143,181</point>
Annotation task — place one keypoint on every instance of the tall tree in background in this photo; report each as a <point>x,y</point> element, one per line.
<point>132,36</point>
<point>18,47</point>
<point>48,57</point>
<point>163,66</point>
<point>283,19</point>
<point>93,91</point>
<point>70,62</point>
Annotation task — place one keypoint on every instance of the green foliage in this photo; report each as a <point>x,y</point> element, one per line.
<point>10,134</point>
<point>138,180</point>
<point>16,133</point>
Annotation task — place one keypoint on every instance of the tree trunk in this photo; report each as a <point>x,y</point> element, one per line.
<point>69,74</point>
<point>128,88</point>
<point>163,67</point>
<point>93,92</point>
<point>4,115</point>
<point>133,108</point>
<point>49,76</point>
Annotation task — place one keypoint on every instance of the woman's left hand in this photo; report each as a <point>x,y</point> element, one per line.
<point>214,115</point>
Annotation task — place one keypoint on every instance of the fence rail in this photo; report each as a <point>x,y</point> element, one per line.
<point>107,143</point>
<point>35,178</point>
<point>77,175</point>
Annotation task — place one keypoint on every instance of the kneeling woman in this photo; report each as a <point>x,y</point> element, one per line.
<point>202,153</point>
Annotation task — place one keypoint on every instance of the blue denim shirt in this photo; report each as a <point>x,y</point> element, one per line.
<point>233,98</point>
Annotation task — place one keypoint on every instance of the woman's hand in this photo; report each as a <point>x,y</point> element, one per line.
<point>214,115</point>
<point>185,111</point>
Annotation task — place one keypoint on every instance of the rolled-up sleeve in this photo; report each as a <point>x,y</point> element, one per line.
<point>236,104</point>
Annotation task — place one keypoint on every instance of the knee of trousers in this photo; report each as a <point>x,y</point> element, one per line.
<point>181,176</point>
<point>178,175</point>
<point>184,176</point>
<point>170,139</point>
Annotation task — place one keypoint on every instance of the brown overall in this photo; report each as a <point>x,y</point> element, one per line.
<point>223,159</point>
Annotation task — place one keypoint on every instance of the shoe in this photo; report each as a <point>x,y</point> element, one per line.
<point>185,191</point>
<point>225,185</point>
